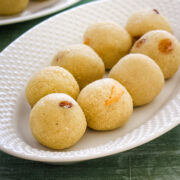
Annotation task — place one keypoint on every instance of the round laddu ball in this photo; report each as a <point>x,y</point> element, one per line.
<point>57,121</point>
<point>163,48</point>
<point>9,7</point>
<point>143,21</point>
<point>106,103</point>
<point>52,79</point>
<point>141,76</point>
<point>109,40</point>
<point>82,61</point>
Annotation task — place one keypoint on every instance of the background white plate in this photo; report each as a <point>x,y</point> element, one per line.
<point>36,9</point>
<point>35,50</point>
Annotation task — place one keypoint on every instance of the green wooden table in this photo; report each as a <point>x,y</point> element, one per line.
<point>157,160</point>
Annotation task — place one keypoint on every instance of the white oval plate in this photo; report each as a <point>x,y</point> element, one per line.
<point>35,49</point>
<point>36,9</point>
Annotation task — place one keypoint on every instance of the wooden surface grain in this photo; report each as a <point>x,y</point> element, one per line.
<point>156,160</point>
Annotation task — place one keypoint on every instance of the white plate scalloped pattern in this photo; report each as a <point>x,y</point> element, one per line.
<point>37,9</point>
<point>35,49</point>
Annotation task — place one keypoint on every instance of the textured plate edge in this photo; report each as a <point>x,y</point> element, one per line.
<point>69,160</point>
<point>49,19</point>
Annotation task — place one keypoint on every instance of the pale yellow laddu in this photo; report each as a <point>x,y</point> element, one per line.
<point>141,76</point>
<point>146,20</point>
<point>163,48</point>
<point>82,61</point>
<point>57,121</point>
<point>110,40</point>
<point>106,103</point>
<point>9,7</point>
<point>52,79</point>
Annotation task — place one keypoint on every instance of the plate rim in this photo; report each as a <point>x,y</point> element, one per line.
<point>89,157</point>
<point>64,160</point>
